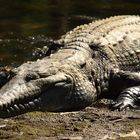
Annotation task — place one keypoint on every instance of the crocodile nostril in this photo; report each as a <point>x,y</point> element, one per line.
<point>31,76</point>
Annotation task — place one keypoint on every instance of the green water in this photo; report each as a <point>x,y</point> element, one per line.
<point>22,21</point>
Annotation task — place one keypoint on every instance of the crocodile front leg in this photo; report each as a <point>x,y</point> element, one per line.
<point>128,99</point>
<point>129,96</point>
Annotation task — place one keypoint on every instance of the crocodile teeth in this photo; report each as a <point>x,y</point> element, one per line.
<point>21,107</point>
<point>32,104</point>
<point>17,108</point>
<point>12,110</point>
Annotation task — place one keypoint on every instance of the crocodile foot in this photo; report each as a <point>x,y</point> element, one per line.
<point>128,100</point>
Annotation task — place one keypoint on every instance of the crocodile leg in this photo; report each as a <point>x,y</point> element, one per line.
<point>128,99</point>
<point>129,96</point>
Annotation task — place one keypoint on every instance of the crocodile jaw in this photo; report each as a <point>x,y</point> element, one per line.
<point>38,94</point>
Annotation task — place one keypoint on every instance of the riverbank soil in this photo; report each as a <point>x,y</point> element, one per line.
<point>92,123</point>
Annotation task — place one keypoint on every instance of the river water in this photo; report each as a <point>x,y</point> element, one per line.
<point>25,23</point>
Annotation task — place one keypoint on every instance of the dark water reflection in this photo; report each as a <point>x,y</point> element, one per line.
<point>23,19</point>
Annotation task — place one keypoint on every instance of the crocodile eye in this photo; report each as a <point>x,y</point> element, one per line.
<point>31,76</point>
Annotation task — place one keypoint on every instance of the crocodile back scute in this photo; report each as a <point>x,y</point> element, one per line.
<point>117,38</point>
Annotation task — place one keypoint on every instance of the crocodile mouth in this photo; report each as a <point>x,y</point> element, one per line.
<point>49,96</point>
<point>52,100</point>
<point>21,107</point>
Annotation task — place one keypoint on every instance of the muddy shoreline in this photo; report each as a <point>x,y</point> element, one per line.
<point>90,123</point>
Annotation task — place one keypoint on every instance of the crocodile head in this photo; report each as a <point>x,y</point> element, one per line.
<point>46,87</point>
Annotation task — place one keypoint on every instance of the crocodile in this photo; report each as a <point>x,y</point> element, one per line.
<point>95,61</point>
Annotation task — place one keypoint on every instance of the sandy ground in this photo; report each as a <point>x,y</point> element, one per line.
<point>92,123</point>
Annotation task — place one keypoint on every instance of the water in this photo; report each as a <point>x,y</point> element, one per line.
<point>22,21</point>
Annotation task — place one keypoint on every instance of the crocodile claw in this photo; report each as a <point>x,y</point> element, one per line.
<point>124,104</point>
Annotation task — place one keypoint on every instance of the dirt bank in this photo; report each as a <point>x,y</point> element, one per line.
<point>90,123</point>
